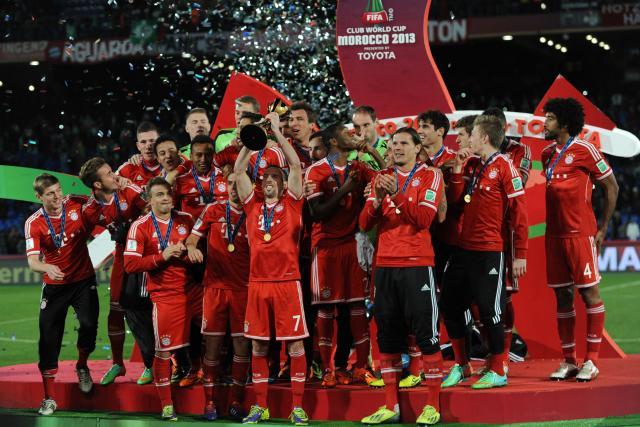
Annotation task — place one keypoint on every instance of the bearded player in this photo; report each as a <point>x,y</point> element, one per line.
<point>274,223</point>
<point>573,236</point>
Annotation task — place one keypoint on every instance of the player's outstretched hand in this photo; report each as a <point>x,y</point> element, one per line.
<point>54,272</point>
<point>461,157</point>
<point>136,159</point>
<point>308,188</point>
<point>519,267</point>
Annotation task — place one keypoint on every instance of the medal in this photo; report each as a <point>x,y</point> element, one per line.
<point>476,177</point>
<point>58,239</point>
<point>335,173</point>
<point>164,242</point>
<point>407,181</point>
<point>268,214</point>
<point>436,156</point>
<point>232,230</point>
<point>549,171</point>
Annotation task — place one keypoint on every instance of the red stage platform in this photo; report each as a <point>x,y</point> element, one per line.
<point>529,396</point>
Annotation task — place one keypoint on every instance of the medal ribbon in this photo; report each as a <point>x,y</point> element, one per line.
<point>232,230</point>
<point>208,198</point>
<point>57,239</point>
<point>549,171</point>
<point>268,216</point>
<point>163,242</point>
<point>406,183</point>
<point>476,176</point>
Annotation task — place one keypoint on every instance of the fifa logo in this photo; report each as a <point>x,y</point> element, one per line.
<point>376,14</point>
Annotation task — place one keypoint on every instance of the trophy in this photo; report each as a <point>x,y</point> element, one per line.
<point>255,136</point>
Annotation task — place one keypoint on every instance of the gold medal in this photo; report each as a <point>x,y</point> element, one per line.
<point>267,237</point>
<point>231,247</point>
<point>398,211</point>
<point>467,198</point>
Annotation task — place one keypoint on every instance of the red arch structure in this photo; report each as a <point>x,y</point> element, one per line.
<point>405,80</point>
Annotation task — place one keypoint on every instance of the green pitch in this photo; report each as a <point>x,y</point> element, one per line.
<point>20,306</point>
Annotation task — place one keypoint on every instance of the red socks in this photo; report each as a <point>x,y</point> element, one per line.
<point>566,326</point>
<point>298,377</point>
<point>115,323</point>
<point>239,369</point>
<point>325,335</point>
<point>459,351</point>
<point>360,333</point>
<point>415,356</point>
<point>391,368</point>
<point>595,326</point>
<point>210,369</point>
<point>496,364</point>
<point>162,376</point>
<point>432,366</point>
<point>260,368</point>
<point>48,378</point>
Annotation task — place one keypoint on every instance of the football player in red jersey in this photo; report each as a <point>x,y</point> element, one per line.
<point>403,202</point>
<point>573,236</point>
<point>155,244</point>
<point>225,295</point>
<point>115,208</point>
<point>520,156</point>
<point>56,245</point>
<point>336,275</point>
<point>274,224</point>
<point>301,122</point>
<point>475,272</point>
<point>433,127</point>
<point>141,172</point>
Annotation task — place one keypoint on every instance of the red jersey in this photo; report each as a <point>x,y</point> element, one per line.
<point>446,231</point>
<point>190,199</point>
<point>143,253</point>
<point>304,154</point>
<point>568,196</point>
<point>520,156</point>
<point>224,269</point>
<point>139,174</point>
<point>342,226</point>
<point>275,260</point>
<point>497,194</point>
<point>73,256</point>
<point>403,223</point>
<point>129,207</point>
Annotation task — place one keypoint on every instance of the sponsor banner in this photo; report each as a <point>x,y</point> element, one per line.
<point>23,51</point>
<point>622,14</point>
<point>14,270</point>
<point>619,255</point>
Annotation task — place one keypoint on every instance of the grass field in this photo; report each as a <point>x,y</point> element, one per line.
<point>20,306</point>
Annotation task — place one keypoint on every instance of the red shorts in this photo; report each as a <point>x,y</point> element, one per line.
<point>171,323</point>
<point>275,309</point>
<point>571,261</point>
<point>116,281</point>
<point>222,307</point>
<point>195,293</point>
<point>336,275</point>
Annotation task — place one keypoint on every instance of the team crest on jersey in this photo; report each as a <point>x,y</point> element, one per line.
<point>279,208</point>
<point>569,159</point>
<point>415,182</point>
<point>73,215</point>
<point>263,163</point>
<point>123,206</point>
<point>165,340</point>
<point>325,293</point>
<point>493,174</point>
<point>222,187</point>
<point>182,230</point>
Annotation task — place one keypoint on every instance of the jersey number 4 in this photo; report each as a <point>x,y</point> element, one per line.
<point>587,271</point>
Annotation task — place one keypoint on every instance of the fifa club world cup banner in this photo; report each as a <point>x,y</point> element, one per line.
<point>386,62</point>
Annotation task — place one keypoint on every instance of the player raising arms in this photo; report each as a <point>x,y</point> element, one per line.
<point>274,223</point>
<point>56,243</point>
<point>573,237</point>
<point>225,293</point>
<point>155,244</point>
<point>403,202</point>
